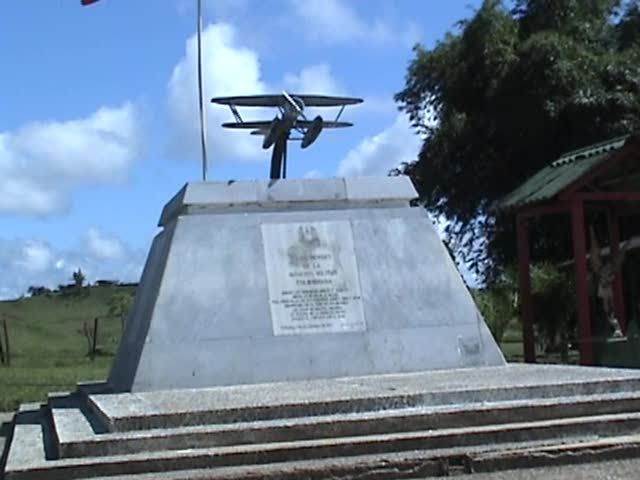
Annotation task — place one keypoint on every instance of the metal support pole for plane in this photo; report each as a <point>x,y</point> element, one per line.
<point>276,158</point>
<point>203,137</point>
<point>284,157</point>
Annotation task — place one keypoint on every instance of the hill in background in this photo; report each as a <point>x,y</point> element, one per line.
<point>48,342</point>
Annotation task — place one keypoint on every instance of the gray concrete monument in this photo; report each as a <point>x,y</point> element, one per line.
<point>265,281</point>
<point>314,329</point>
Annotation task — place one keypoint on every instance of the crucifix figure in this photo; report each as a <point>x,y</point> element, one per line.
<point>605,272</point>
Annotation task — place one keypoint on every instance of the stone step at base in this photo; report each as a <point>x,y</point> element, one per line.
<point>493,416</point>
<point>418,464</point>
<point>179,408</point>
<point>76,438</point>
<point>317,449</point>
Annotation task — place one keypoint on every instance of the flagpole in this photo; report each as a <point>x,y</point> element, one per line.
<point>203,137</point>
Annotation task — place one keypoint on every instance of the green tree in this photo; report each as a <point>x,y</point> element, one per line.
<point>497,303</point>
<point>506,93</point>
<point>78,278</point>
<point>554,307</point>
<point>553,293</point>
<point>36,291</point>
<point>119,306</point>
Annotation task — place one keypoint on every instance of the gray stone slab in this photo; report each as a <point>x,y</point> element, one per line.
<point>257,195</point>
<point>27,447</point>
<point>302,191</point>
<point>204,318</point>
<point>344,395</point>
<point>378,189</point>
<point>71,423</point>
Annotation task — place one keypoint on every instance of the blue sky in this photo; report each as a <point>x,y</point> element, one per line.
<point>98,117</point>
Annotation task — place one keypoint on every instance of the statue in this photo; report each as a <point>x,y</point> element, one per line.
<point>605,272</point>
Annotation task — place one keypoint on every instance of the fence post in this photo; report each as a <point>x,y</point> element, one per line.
<point>1,351</point>
<point>6,341</point>
<point>95,338</point>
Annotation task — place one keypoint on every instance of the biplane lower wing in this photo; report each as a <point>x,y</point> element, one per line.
<point>248,125</point>
<point>325,124</point>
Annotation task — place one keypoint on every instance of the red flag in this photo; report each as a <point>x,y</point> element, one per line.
<point>87,2</point>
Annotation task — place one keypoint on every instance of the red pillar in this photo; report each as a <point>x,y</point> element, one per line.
<point>582,293</point>
<point>618,295</point>
<point>524,280</point>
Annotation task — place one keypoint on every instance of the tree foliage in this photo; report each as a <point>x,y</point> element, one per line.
<point>498,306</point>
<point>36,290</point>
<point>119,306</point>
<point>506,93</point>
<point>553,305</point>
<point>78,278</point>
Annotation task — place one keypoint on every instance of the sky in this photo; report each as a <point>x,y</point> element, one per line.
<point>99,114</point>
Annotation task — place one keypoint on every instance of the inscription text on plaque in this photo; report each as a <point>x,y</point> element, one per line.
<point>313,278</point>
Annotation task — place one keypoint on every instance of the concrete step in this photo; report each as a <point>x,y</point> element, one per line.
<point>554,432</point>
<point>179,408</point>
<point>417,464</point>
<point>369,427</point>
<point>248,463</point>
<point>75,436</point>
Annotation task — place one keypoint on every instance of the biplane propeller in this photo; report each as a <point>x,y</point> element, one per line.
<point>291,117</point>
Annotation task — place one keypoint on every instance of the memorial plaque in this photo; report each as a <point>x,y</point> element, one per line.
<point>313,278</point>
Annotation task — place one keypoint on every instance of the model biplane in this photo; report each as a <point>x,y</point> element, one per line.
<point>291,117</point>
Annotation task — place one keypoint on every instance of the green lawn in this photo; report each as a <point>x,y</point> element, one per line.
<point>48,347</point>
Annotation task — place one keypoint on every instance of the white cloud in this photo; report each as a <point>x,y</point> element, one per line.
<point>314,79</point>
<point>334,22</point>
<point>102,246</point>
<point>24,263</point>
<point>378,154</point>
<point>42,162</point>
<point>228,69</point>
<point>34,257</point>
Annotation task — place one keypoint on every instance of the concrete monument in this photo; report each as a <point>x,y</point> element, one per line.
<point>314,329</point>
<point>265,281</point>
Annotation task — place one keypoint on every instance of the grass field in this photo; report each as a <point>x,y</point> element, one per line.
<point>48,347</point>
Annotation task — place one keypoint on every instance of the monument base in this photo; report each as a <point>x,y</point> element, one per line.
<point>383,426</point>
<point>266,281</point>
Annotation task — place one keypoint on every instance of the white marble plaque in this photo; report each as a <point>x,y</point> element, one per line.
<point>313,278</point>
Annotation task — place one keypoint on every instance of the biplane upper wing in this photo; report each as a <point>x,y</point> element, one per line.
<point>280,100</point>
<point>327,101</point>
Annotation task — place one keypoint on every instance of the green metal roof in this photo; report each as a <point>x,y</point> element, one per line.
<point>561,173</point>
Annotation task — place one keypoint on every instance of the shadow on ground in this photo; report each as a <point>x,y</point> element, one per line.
<point>6,431</point>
